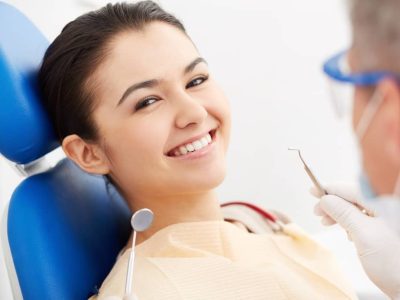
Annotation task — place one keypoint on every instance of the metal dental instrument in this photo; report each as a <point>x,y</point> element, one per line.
<point>321,189</point>
<point>140,221</point>
<point>315,181</point>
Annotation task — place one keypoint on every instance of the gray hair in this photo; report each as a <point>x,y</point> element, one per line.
<point>376,34</point>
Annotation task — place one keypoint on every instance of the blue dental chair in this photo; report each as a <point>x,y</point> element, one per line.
<point>63,228</point>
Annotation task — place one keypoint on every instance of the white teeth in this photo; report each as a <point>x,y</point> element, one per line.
<point>197,145</point>
<point>183,150</point>
<point>189,147</point>
<point>193,146</point>
<point>204,141</point>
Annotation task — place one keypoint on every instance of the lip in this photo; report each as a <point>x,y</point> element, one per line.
<point>195,138</point>
<point>199,153</point>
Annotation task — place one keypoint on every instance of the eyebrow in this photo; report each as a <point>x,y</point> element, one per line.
<point>153,82</point>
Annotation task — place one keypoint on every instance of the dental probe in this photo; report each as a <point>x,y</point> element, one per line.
<point>322,191</point>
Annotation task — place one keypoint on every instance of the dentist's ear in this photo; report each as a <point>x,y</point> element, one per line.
<point>390,90</point>
<point>87,155</point>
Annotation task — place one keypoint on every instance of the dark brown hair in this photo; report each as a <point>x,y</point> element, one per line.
<point>77,52</point>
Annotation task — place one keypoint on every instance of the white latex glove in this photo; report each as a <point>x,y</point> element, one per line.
<point>378,247</point>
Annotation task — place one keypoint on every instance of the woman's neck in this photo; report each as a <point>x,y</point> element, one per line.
<point>178,209</point>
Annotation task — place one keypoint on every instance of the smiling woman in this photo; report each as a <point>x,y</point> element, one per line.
<point>131,98</point>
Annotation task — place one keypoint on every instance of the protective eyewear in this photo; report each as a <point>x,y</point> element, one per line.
<point>342,81</point>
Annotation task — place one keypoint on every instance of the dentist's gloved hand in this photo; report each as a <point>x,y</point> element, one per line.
<point>378,247</point>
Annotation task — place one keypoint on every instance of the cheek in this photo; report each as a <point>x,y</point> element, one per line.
<point>219,107</point>
<point>135,145</point>
<point>358,107</point>
<point>225,118</point>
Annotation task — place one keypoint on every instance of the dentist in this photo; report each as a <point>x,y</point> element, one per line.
<point>371,70</point>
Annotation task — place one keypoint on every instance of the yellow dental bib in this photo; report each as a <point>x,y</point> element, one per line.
<point>219,260</point>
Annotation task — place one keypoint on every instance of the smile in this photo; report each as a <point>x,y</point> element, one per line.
<point>193,146</point>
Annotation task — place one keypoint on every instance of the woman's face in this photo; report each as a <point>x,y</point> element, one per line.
<point>163,121</point>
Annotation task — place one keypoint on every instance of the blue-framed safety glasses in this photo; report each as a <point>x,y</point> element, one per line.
<point>342,81</point>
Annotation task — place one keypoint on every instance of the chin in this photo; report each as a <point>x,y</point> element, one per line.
<point>203,181</point>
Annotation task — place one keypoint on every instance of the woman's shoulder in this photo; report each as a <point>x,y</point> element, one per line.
<point>255,218</point>
<point>114,284</point>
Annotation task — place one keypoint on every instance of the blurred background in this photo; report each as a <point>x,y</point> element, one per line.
<point>267,55</point>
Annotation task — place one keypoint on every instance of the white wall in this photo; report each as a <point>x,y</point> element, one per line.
<point>267,55</point>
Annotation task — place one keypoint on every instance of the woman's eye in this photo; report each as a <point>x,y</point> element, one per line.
<point>196,81</point>
<point>145,102</point>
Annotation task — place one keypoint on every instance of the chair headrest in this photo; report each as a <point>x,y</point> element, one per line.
<point>26,133</point>
<point>65,231</point>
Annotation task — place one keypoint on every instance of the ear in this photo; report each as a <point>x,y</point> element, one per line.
<point>88,156</point>
<point>391,117</point>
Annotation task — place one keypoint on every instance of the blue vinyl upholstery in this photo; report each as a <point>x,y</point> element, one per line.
<point>65,232</point>
<point>64,229</point>
<point>26,133</point>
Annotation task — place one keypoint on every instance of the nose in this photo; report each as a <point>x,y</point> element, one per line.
<point>190,111</point>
